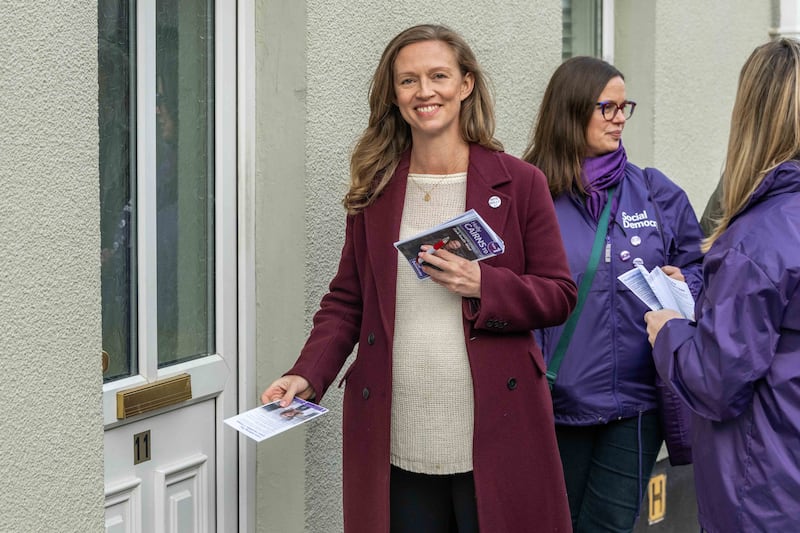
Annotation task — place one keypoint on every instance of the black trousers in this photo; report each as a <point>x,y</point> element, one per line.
<point>422,503</point>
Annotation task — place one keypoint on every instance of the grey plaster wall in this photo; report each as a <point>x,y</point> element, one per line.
<point>681,60</point>
<point>51,452</point>
<point>281,263</point>
<point>315,61</point>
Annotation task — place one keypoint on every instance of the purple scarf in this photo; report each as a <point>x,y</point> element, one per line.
<point>600,173</point>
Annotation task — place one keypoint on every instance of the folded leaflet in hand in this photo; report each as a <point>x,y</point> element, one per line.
<point>466,235</point>
<point>659,291</point>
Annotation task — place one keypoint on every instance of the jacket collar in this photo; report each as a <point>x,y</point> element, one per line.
<point>782,179</point>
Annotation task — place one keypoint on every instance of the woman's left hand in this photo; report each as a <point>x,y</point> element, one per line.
<point>656,320</point>
<point>455,273</point>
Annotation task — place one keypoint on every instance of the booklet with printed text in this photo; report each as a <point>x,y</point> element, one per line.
<point>270,419</point>
<point>467,235</point>
<point>659,291</point>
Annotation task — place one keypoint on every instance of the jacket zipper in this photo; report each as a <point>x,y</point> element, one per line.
<point>613,294</point>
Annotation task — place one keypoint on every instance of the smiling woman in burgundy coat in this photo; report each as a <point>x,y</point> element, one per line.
<point>456,434</point>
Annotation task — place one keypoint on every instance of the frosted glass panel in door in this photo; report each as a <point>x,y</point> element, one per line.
<point>117,186</point>
<point>185,179</point>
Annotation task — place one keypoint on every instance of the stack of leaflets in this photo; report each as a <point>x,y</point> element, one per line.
<point>659,291</point>
<point>466,235</point>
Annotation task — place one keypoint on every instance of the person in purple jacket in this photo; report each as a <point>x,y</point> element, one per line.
<point>738,365</point>
<point>604,396</point>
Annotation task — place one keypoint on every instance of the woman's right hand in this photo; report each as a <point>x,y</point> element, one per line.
<point>655,321</point>
<point>286,388</point>
<point>673,272</point>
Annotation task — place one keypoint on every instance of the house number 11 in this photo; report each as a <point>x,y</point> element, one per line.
<point>141,447</point>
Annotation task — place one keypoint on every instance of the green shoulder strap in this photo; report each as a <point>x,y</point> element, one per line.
<point>583,290</point>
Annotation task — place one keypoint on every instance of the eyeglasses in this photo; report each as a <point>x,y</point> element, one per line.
<point>610,109</point>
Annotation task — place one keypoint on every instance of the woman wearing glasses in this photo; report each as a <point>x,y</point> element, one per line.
<point>604,394</point>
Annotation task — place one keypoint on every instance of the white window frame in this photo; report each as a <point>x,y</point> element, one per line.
<point>208,373</point>
<point>789,20</point>
<point>607,31</point>
<point>605,26</point>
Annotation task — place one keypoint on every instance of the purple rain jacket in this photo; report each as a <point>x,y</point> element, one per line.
<point>738,367</point>
<point>607,372</point>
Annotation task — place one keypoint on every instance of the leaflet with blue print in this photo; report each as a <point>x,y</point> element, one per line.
<point>659,291</point>
<point>270,419</point>
<point>466,235</point>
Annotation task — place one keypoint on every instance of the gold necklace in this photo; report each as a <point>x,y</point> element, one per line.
<point>427,193</point>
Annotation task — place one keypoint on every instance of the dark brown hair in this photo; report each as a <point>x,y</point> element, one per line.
<point>558,144</point>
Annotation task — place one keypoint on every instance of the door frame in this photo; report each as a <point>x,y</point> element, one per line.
<point>246,190</point>
<point>227,303</point>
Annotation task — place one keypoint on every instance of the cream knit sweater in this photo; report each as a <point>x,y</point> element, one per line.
<point>432,397</point>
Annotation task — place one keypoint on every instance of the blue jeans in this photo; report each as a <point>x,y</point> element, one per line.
<point>607,468</point>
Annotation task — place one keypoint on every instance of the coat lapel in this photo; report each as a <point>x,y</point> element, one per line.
<point>382,228</point>
<point>485,176</point>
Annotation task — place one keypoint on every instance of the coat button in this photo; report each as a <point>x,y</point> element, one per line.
<point>365,393</point>
<point>371,339</point>
<point>511,384</point>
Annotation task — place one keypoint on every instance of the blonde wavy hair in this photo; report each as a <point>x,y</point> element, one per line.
<point>378,150</point>
<point>765,125</point>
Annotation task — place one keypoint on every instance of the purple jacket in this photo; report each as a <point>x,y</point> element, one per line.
<point>738,367</point>
<point>608,372</point>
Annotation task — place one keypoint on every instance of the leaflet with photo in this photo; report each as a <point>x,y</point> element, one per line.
<point>659,291</point>
<point>467,235</point>
<point>270,419</point>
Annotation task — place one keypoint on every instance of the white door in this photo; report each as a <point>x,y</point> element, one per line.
<point>167,108</point>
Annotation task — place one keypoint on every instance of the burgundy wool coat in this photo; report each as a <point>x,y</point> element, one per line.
<point>519,481</point>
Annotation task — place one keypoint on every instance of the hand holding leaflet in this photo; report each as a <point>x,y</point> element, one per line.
<point>466,235</point>
<point>270,419</point>
<point>442,242</point>
<point>659,291</point>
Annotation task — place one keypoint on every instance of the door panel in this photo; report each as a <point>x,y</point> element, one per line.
<point>181,502</point>
<point>174,490</point>
<point>124,507</point>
